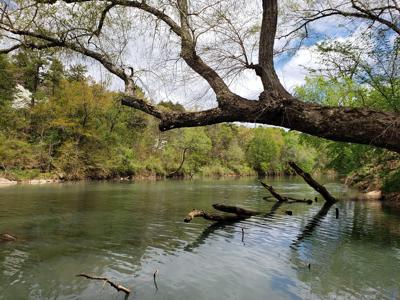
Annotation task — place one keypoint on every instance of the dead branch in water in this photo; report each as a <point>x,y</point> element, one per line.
<point>106,280</point>
<point>294,200</point>
<point>280,198</point>
<point>312,182</point>
<point>273,192</point>
<point>239,214</point>
<point>235,210</point>
<point>154,278</point>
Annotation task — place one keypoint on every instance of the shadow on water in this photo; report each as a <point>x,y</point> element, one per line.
<point>313,224</point>
<point>207,232</point>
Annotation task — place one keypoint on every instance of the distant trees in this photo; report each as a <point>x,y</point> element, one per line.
<point>77,129</point>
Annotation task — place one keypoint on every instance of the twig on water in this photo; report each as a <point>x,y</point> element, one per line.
<point>118,287</point>
<point>154,278</point>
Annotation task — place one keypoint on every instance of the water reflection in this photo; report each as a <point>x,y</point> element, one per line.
<point>127,231</point>
<point>313,224</point>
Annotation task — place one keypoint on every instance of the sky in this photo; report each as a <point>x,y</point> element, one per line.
<point>163,81</point>
<point>10,4</point>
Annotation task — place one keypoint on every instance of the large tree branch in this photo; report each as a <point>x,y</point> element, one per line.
<point>188,45</point>
<point>189,54</point>
<point>356,125</point>
<point>275,106</point>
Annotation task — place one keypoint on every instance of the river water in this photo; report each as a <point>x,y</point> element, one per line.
<point>127,231</point>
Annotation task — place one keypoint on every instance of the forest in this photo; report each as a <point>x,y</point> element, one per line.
<point>60,124</point>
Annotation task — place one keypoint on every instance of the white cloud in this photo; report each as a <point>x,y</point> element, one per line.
<point>294,72</point>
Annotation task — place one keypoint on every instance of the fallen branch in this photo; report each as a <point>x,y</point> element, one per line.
<point>154,278</point>
<point>280,198</point>
<point>106,280</point>
<point>239,214</point>
<point>294,200</point>
<point>312,182</point>
<point>235,210</point>
<point>212,217</point>
<point>273,192</point>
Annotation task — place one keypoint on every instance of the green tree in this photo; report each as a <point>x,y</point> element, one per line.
<point>263,151</point>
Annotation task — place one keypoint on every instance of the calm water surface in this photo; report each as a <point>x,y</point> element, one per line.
<point>126,231</point>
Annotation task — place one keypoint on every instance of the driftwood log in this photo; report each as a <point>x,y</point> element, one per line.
<point>118,287</point>
<point>238,214</point>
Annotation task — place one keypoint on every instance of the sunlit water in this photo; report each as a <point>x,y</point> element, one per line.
<point>126,231</point>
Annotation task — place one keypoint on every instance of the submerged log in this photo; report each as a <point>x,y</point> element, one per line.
<point>239,214</point>
<point>213,217</point>
<point>106,280</point>
<point>294,200</point>
<point>312,182</point>
<point>235,210</point>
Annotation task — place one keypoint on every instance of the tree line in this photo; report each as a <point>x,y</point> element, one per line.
<point>58,122</point>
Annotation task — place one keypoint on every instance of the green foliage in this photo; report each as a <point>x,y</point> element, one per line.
<point>15,153</point>
<point>7,82</point>
<point>73,128</point>
<point>392,182</point>
<point>264,150</point>
<point>345,158</point>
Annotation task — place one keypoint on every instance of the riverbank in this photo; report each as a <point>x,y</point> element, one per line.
<point>369,190</point>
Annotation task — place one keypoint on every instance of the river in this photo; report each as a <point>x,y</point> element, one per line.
<point>127,231</point>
